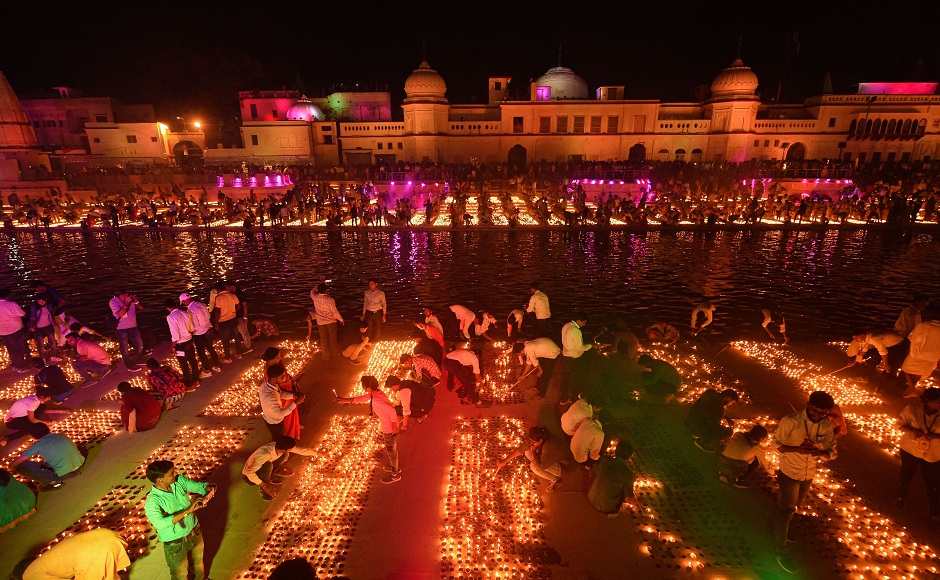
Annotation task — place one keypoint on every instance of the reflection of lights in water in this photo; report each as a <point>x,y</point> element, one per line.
<point>205,260</point>
<point>318,520</point>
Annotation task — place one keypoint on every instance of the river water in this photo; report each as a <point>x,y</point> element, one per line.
<point>827,283</point>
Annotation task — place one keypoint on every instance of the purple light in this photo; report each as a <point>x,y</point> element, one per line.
<point>393,183</point>
<point>817,180</point>
<point>278,180</point>
<point>575,181</point>
<point>238,182</point>
<point>422,184</point>
<point>253,181</point>
<point>621,182</point>
<point>409,183</point>
<point>543,93</point>
<point>593,182</point>
<point>828,180</point>
<point>220,181</point>
<point>267,181</point>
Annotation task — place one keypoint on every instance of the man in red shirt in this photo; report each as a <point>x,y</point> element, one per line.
<point>140,410</point>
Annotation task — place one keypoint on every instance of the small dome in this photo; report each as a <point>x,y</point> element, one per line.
<point>736,80</point>
<point>564,84</point>
<point>424,83</point>
<point>304,110</point>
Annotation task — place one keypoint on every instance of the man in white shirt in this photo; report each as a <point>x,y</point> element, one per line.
<point>465,317</point>
<point>922,359</point>
<point>803,439</point>
<point>124,308</point>
<point>911,315</point>
<point>539,355</point>
<point>577,413</point>
<point>572,349</point>
<point>12,333</point>
<point>514,324</point>
<point>886,342</point>
<point>374,310</point>
<point>327,317</point>
<point>389,427</point>
<point>22,415</point>
<point>707,310</point>
<point>269,453</point>
<point>920,447</point>
<point>202,325</point>
<point>464,365</point>
<point>181,333</point>
<point>588,441</point>
<point>539,306</point>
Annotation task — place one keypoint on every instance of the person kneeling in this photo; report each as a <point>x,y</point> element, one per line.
<point>544,453</point>
<point>60,457</point>
<point>741,457</point>
<point>612,484</point>
<point>705,419</point>
<point>269,453</point>
<point>140,409</point>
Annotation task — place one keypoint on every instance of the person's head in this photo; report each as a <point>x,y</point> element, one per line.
<point>293,569</point>
<point>124,387</point>
<point>405,359</point>
<point>39,286</point>
<point>427,312</point>
<point>124,295</point>
<point>277,374</point>
<point>363,331</point>
<point>284,443</point>
<point>38,430</point>
<point>185,299</point>
<point>931,399</point>
<point>373,284</point>
<point>321,288</point>
<point>756,434</point>
<point>170,304</point>
<point>624,451</point>
<point>393,383</point>
<point>819,406</point>
<point>534,287</point>
<point>729,396</point>
<point>653,334</point>
<point>153,364</point>
<point>920,301</point>
<point>645,360</point>
<point>42,299</point>
<point>75,328</point>
<point>161,473</point>
<point>5,478</point>
<point>538,434</point>
<point>580,318</point>
<point>71,338</point>
<point>38,363</point>
<point>4,293</point>
<point>518,347</point>
<point>271,355</point>
<point>369,383</point>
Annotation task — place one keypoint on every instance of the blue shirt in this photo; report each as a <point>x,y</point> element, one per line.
<point>58,452</point>
<point>162,505</point>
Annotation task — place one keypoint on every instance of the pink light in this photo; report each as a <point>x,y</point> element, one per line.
<point>805,180</point>
<point>593,182</point>
<point>393,183</point>
<point>422,184</point>
<point>621,182</point>
<point>575,182</point>
<point>897,88</point>
<point>435,184</point>
<point>252,181</point>
<point>409,183</point>
<point>278,180</point>
<point>267,180</point>
<point>220,181</point>
<point>238,182</point>
<point>817,180</point>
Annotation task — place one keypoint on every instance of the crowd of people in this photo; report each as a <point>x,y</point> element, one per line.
<point>896,193</point>
<point>588,384</point>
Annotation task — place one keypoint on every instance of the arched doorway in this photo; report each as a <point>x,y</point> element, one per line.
<point>796,152</point>
<point>696,156</point>
<point>680,154</point>
<point>187,154</point>
<point>637,153</point>
<point>517,158</point>
<point>663,154</point>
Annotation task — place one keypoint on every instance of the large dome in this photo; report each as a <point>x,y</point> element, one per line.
<point>563,82</point>
<point>425,84</point>
<point>304,110</point>
<point>738,80</point>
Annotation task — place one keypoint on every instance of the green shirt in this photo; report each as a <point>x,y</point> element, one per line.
<point>16,500</point>
<point>612,484</point>
<point>162,505</point>
<point>58,452</point>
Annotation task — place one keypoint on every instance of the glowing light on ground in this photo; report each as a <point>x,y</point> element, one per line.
<point>318,520</point>
<point>497,384</point>
<point>83,427</point>
<point>384,362</point>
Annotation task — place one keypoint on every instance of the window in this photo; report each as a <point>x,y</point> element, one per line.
<point>153,139</point>
<point>579,124</point>
<point>399,145</point>
<point>776,142</point>
<point>639,123</point>
<point>561,124</point>
<point>756,142</point>
<point>876,157</point>
<point>60,122</point>
<point>274,113</point>
<point>379,145</point>
<point>96,140</point>
<point>906,156</point>
<point>327,139</point>
<point>517,125</point>
<point>766,142</point>
<point>254,139</point>
<point>832,121</point>
<point>891,156</point>
<point>101,118</point>
<point>595,124</point>
<point>545,124</point>
<point>613,124</point>
<point>326,129</point>
<point>254,111</point>
<point>498,86</point>
<point>861,157</point>
<point>132,138</point>
<point>847,157</point>
<point>680,154</point>
<point>784,145</point>
<point>389,146</point>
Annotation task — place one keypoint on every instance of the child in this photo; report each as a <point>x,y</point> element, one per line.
<point>740,457</point>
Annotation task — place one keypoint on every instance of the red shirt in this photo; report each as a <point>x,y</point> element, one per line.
<point>434,334</point>
<point>147,406</point>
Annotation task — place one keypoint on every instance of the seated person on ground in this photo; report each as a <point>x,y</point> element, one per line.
<point>741,456</point>
<point>269,453</point>
<point>661,380</point>
<point>23,415</point>
<point>358,352</point>
<point>705,418</point>
<point>17,501</point>
<point>165,383</point>
<point>98,554</point>
<point>92,362</point>
<point>612,484</point>
<point>60,457</point>
<point>411,399</point>
<point>662,333</point>
<point>140,409</point>
<point>264,327</point>
<point>545,454</point>
<point>51,380</point>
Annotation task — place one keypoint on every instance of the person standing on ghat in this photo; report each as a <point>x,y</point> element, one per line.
<point>181,333</point>
<point>539,306</point>
<point>12,333</point>
<point>202,325</point>
<point>803,439</point>
<point>226,302</point>
<point>374,310</point>
<point>572,349</point>
<point>911,315</point>
<point>124,307</point>
<point>465,318</point>
<point>924,354</point>
<point>327,318</point>
<point>514,322</point>
<point>171,512</point>
<point>919,422</point>
<point>389,427</point>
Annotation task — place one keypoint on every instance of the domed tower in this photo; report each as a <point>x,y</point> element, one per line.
<point>16,132</point>
<point>426,113</point>
<point>303,109</point>
<point>559,83</point>
<point>732,109</point>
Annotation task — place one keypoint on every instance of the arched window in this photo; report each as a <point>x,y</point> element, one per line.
<point>696,155</point>
<point>664,154</point>
<point>862,126</point>
<point>921,129</point>
<point>852,126</point>
<point>876,129</point>
<point>892,125</point>
<point>906,129</point>
<point>680,154</point>
<point>868,125</point>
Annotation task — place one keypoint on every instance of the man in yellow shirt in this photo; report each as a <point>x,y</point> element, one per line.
<point>226,302</point>
<point>97,554</point>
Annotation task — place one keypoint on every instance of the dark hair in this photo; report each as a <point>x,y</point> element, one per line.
<point>274,371</point>
<point>4,477</point>
<point>757,432</point>
<point>270,353</point>
<point>170,303</point>
<point>38,430</point>
<point>405,358</point>
<point>75,327</point>
<point>645,359</point>
<point>369,382</point>
<point>321,288</point>
<point>38,283</point>
<point>283,443</point>
<point>124,387</point>
<point>821,400</point>
<point>42,296</point>
<point>373,280</point>
<point>538,433</point>
<point>730,394</point>
<point>293,569</point>
<point>624,450</point>
<point>579,316</point>
<point>536,285</point>
<point>158,469</point>
<point>392,381</point>
<point>38,363</point>
<point>4,292</point>
<point>518,347</point>
<point>153,363</point>
<point>931,394</point>
<point>920,297</point>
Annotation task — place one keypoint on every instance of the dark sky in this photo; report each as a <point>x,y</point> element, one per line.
<point>192,60</point>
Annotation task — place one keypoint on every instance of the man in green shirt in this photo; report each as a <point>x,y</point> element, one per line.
<point>170,511</point>
<point>60,457</point>
<point>613,482</point>
<point>16,501</point>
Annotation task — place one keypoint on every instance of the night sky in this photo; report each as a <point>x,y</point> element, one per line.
<point>192,60</point>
